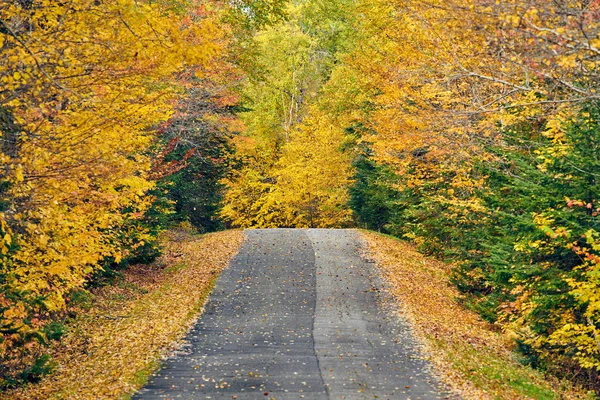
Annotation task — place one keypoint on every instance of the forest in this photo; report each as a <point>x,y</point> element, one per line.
<point>470,128</point>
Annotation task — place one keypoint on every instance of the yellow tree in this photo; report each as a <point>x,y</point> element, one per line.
<point>313,175</point>
<point>83,83</point>
<point>283,76</point>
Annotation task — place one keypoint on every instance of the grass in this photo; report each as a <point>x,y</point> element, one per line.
<point>473,358</point>
<point>114,345</point>
<point>141,377</point>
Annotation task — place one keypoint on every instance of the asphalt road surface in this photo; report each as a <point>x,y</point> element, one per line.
<point>298,314</point>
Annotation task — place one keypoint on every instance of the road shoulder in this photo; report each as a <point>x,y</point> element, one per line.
<point>476,362</point>
<point>364,350</point>
<point>113,346</point>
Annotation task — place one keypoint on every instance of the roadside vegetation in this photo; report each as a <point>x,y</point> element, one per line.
<point>116,120</point>
<point>470,128</point>
<point>473,357</point>
<point>120,331</point>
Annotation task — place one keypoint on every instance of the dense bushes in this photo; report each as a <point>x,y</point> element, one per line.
<point>527,258</point>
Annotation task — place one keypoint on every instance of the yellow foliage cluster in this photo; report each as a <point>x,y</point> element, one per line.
<point>308,187</point>
<point>120,338</point>
<point>295,173</point>
<point>446,74</point>
<point>83,84</point>
<point>447,78</point>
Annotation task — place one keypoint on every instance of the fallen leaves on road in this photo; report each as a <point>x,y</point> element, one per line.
<point>111,349</point>
<point>475,361</point>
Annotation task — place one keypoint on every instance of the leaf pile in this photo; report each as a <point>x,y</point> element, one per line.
<point>475,361</point>
<point>111,349</point>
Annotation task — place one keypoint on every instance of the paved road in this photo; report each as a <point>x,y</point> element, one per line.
<point>298,314</point>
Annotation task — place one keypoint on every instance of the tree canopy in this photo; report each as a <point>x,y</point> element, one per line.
<point>470,128</point>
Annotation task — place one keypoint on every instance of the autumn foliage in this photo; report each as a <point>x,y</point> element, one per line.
<point>480,144</point>
<point>83,85</point>
<point>468,127</point>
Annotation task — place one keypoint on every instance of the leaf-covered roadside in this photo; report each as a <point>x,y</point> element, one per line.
<point>113,346</point>
<point>475,361</point>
